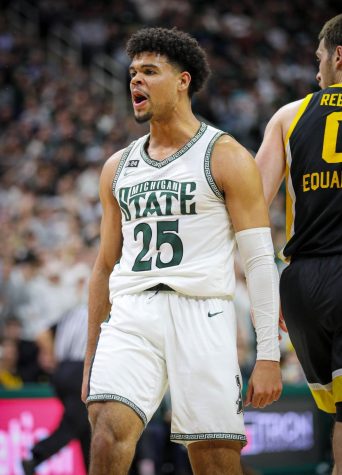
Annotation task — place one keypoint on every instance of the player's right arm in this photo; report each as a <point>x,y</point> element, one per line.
<point>109,252</point>
<point>270,158</point>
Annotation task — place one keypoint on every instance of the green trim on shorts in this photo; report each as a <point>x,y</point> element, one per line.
<point>123,400</point>
<point>209,436</point>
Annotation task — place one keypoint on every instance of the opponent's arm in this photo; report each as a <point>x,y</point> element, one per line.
<point>237,176</point>
<point>109,252</point>
<point>270,158</point>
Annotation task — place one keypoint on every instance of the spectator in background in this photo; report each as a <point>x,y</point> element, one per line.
<point>62,351</point>
<point>27,364</point>
<point>9,374</point>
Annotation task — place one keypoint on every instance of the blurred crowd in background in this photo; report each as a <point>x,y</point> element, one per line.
<point>58,126</point>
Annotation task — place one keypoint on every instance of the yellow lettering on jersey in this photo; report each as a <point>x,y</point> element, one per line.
<point>306,186</point>
<point>322,180</point>
<point>314,181</point>
<point>332,125</point>
<point>325,100</point>
<point>325,176</point>
<point>335,181</point>
<point>331,100</point>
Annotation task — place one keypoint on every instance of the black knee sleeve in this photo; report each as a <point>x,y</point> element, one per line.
<point>338,412</point>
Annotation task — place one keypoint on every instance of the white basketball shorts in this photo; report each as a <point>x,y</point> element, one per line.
<point>155,339</point>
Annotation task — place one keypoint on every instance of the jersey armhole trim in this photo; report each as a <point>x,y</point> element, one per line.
<point>207,165</point>
<point>121,165</point>
<point>298,115</point>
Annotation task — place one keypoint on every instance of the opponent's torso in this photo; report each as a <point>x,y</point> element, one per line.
<point>314,177</point>
<point>175,225</point>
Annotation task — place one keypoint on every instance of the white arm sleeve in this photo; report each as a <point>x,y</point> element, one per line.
<point>257,255</point>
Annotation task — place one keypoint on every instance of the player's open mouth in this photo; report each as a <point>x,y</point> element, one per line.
<point>139,99</point>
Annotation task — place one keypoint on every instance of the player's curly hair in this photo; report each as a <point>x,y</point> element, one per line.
<point>179,47</point>
<point>332,33</point>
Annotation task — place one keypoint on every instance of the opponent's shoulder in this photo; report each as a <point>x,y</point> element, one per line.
<point>290,108</point>
<point>284,116</point>
<point>286,113</point>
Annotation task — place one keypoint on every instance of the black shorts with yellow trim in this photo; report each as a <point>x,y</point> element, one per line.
<point>311,300</point>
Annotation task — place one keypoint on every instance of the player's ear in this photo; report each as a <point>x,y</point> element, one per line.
<point>184,81</point>
<point>338,56</point>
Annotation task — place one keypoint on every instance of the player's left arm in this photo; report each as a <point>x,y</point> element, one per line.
<point>236,174</point>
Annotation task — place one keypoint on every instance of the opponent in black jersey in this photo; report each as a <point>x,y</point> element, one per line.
<point>314,180</point>
<point>303,142</point>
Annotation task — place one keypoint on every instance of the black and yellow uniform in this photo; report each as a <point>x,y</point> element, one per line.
<point>311,293</point>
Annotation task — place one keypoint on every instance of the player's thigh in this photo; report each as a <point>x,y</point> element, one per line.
<point>128,365</point>
<point>115,421</point>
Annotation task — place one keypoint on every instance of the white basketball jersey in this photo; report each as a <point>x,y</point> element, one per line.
<point>175,225</point>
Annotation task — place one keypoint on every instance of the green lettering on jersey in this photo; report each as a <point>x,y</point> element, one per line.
<point>168,201</point>
<point>168,198</point>
<point>123,197</point>
<point>152,205</point>
<point>185,197</point>
<point>135,199</point>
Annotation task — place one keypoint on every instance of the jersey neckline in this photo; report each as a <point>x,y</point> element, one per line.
<point>171,158</point>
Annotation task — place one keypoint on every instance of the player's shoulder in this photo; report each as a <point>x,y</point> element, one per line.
<point>233,167</point>
<point>288,111</point>
<point>283,118</point>
<point>111,164</point>
<point>229,149</point>
<point>231,159</point>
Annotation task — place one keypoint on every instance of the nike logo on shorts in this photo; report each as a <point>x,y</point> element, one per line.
<point>213,314</point>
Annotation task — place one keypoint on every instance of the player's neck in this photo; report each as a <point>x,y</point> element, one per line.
<point>173,132</point>
<point>338,78</point>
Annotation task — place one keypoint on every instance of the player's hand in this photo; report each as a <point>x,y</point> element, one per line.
<point>264,385</point>
<point>282,324</point>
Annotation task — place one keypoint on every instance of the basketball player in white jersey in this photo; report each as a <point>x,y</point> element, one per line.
<point>161,294</point>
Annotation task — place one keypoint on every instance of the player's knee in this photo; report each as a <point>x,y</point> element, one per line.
<point>106,439</point>
<point>338,412</point>
<point>101,442</point>
<point>109,431</point>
